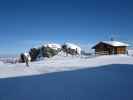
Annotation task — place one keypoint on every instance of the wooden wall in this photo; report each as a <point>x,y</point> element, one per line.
<point>121,50</point>
<point>104,49</point>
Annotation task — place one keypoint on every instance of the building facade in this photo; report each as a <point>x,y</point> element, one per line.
<point>110,47</point>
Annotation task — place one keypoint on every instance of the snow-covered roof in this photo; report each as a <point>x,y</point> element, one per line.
<point>115,43</point>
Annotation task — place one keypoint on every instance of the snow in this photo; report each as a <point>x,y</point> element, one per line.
<point>1,63</point>
<point>60,63</point>
<point>110,82</point>
<point>115,43</point>
<point>27,55</point>
<point>53,46</point>
<point>73,46</point>
<point>69,78</point>
<point>130,52</point>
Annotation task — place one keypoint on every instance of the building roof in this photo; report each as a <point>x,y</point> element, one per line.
<point>113,43</point>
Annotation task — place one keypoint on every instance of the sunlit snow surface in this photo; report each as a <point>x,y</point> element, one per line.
<point>60,63</point>
<point>69,78</point>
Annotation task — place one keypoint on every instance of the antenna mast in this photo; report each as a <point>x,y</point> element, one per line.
<point>113,37</point>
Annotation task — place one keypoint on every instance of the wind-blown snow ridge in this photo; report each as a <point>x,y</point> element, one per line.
<point>60,63</point>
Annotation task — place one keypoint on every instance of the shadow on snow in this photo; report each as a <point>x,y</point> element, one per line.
<point>111,82</point>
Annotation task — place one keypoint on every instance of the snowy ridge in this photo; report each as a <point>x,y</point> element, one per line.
<point>72,46</point>
<point>60,63</point>
<point>53,46</point>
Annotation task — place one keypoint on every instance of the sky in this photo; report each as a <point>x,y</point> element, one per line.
<point>28,23</point>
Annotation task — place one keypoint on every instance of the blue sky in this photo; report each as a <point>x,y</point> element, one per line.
<point>27,23</point>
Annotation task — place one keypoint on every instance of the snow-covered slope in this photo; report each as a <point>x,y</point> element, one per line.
<point>60,63</point>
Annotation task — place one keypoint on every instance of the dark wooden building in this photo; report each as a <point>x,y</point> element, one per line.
<point>110,47</point>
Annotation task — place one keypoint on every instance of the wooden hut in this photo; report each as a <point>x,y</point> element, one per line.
<point>110,47</point>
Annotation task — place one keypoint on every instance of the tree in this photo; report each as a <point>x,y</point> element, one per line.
<point>34,53</point>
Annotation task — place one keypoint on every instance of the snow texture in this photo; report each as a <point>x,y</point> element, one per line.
<point>73,46</point>
<point>130,52</point>
<point>69,78</point>
<point>60,63</point>
<point>53,46</point>
<point>110,82</point>
<point>115,43</point>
